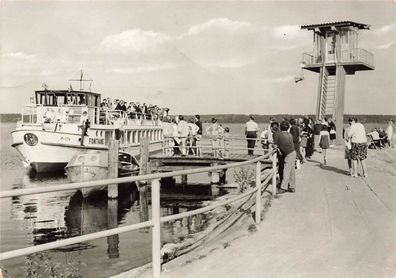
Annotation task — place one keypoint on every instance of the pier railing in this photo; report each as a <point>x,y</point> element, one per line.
<point>261,183</point>
<point>218,146</point>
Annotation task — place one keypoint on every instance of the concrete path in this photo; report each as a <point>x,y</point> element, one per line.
<point>333,226</point>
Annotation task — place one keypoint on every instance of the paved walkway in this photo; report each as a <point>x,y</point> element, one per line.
<point>333,226</point>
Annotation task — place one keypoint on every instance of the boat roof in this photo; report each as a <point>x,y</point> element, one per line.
<point>336,24</point>
<point>67,91</point>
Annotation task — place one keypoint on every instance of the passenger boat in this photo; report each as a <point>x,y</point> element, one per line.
<point>93,165</point>
<point>49,132</point>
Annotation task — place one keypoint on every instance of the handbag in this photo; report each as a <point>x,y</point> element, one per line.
<point>348,144</point>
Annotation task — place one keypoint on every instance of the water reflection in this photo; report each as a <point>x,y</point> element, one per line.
<point>52,216</point>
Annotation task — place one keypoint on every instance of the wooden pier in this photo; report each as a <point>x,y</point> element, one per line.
<point>165,163</point>
<point>333,226</point>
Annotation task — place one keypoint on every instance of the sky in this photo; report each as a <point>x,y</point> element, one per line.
<point>223,57</point>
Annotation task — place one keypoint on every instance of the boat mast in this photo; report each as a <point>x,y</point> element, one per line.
<point>81,80</point>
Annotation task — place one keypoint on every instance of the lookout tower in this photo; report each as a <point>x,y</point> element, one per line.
<point>335,54</point>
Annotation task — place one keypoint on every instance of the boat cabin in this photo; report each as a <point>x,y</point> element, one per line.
<point>66,97</point>
<point>61,106</point>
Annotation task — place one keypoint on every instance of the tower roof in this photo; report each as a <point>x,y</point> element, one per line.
<point>336,24</point>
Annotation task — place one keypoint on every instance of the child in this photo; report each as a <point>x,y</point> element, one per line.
<point>324,142</point>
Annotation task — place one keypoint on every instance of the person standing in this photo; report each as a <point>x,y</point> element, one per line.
<point>357,135</point>
<point>308,133</point>
<point>184,130</point>
<point>215,131</point>
<point>251,129</point>
<point>295,132</point>
<point>389,133</point>
<point>316,132</point>
<point>84,125</point>
<point>348,146</point>
<point>192,137</point>
<point>118,126</point>
<point>284,141</point>
<point>324,141</point>
<point>199,124</point>
<point>332,130</point>
<point>176,140</point>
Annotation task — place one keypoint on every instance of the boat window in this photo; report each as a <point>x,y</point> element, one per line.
<point>81,99</point>
<point>71,99</point>
<point>51,100</point>
<point>60,99</point>
<point>42,99</point>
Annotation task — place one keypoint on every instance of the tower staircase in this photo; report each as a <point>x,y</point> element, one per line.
<point>327,95</point>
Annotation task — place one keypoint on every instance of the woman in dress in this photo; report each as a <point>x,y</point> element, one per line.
<point>357,135</point>
<point>324,141</point>
<point>332,130</point>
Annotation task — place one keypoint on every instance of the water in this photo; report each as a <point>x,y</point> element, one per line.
<point>41,218</point>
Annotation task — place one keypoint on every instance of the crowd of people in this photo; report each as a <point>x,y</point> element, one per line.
<point>295,139</point>
<point>135,110</point>
<point>186,136</point>
<point>379,137</point>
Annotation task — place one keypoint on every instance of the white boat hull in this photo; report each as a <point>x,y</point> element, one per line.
<point>51,151</point>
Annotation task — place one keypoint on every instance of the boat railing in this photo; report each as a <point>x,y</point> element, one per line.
<point>107,117</point>
<point>30,114</point>
<point>262,181</point>
<point>64,113</point>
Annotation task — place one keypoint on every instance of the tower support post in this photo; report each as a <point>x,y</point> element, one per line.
<point>339,107</point>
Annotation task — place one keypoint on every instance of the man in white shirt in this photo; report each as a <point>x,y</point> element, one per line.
<point>193,136</point>
<point>184,130</point>
<point>215,131</point>
<point>251,129</point>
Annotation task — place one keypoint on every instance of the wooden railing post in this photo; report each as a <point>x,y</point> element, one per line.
<point>156,232</point>
<point>258,192</point>
<point>274,172</point>
<point>112,189</point>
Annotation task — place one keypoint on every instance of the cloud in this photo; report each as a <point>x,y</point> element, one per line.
<point>385,29</point>
<point>385,46</point>
<point>143,69</point>
<point>284,79</point>
<point>221,42</point>
<point>217,24</point>
<point>134,40</point>
<point>19,55</point>
<point>231,63</point>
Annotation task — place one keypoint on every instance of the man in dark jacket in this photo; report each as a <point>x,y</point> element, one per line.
<point>284,141</point>
<point>295,132</point>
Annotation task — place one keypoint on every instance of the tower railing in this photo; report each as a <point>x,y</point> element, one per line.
<point>356,55</point>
